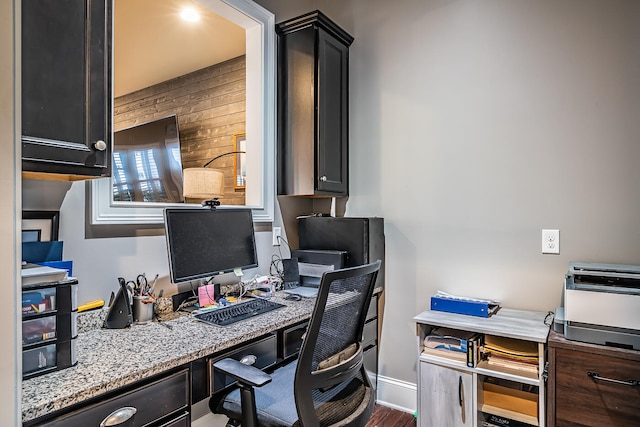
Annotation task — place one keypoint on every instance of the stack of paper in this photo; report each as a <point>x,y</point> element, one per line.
<point>33,274</point>
<point>511,353</point>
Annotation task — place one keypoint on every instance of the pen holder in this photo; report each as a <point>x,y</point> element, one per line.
<point>142,310</point>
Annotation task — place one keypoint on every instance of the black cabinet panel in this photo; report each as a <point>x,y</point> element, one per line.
<point>290,340</point>
<point>199,380</point>
<point>313,107</point>
<point>66,86</point>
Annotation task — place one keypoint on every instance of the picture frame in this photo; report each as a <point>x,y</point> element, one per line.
<point>40,226</point>
<point>239,161</point>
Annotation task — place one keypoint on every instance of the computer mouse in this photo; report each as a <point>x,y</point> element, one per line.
<point>293,297</point>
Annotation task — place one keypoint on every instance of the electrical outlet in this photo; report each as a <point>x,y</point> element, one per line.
<point>550,241</point>
<point>277,233</point>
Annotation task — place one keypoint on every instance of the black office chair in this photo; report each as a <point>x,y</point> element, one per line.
<point>327,385</point>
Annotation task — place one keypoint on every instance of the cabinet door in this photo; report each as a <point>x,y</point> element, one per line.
<point>313,104</point>
<point>446,397</point>
<point>66,91</point>
<point>333,115</point>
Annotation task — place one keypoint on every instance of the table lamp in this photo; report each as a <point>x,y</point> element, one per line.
<point>206,184</point>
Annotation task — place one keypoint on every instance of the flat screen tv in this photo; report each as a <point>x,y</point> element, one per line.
<point>203,242</point>
<point>147,164</point>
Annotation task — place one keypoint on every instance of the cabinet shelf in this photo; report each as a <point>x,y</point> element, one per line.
<point>483,369</point>
<point>516,416</point>
<point>508,374</point>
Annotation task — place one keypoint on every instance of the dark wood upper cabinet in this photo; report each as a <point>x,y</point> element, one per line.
<point>66,87</point>
<point>313,107</point>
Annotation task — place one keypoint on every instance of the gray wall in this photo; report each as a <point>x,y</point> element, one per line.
<point>474,125</point>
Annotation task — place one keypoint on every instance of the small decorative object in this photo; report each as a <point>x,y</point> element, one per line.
<point>163,309</point>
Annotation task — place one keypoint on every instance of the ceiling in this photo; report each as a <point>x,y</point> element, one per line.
<point>153,44</point>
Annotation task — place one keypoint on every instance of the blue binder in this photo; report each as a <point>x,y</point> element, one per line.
<point>464,306</point>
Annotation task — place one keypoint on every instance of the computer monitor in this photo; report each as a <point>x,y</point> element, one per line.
<point>202,242</point>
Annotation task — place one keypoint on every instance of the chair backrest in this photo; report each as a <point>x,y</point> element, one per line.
<point>331,384</point>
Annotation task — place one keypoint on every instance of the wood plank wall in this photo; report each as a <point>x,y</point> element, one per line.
<point>210,105</point>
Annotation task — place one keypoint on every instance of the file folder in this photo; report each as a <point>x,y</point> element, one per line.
<point>464,306</point>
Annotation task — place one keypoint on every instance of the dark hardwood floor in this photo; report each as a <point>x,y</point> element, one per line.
<point>387,417</point>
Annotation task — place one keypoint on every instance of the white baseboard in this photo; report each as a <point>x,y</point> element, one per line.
<point>397,394</point>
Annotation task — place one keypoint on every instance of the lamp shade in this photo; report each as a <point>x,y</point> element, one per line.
<point>203,183</point>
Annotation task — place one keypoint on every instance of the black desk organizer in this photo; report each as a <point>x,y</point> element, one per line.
<point>49,327</point>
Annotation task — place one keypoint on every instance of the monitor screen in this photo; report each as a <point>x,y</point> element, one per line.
<point>203,242</point>
<point>147,163</point>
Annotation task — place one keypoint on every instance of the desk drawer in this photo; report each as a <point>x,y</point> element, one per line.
<point>152,402</point>
<point>585,401</point>
<point>264,350</point>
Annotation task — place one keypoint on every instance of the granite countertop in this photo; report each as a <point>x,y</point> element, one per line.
<point>112,358</point>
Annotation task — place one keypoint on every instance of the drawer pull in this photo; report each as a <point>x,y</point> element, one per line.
<point>595,376</point>
<point>119,416</point>
<point>249,359</point>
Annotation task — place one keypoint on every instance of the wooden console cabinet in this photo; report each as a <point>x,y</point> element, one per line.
<point>592,385</point>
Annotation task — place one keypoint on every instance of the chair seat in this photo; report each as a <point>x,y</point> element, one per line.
<point>273,400</point>
<point>276,407</point>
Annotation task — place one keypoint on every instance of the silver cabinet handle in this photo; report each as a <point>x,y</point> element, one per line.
<point>631,383</point>
<point>100,145</point>
<point>461,399</point>
<point>323,178</point>
<point>249,359</point>
<point>119,416</point>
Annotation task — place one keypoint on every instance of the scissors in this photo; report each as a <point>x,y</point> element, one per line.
<point>142,286</point>
<point>132,287</point>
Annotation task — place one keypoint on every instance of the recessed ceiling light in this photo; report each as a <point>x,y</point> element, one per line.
<point>190,14</point>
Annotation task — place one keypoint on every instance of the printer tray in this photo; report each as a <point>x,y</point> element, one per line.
<point>603,335</point>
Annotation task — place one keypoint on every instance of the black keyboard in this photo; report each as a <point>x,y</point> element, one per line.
<point>234,313</point>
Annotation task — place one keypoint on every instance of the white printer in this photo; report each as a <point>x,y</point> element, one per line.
<point>602,304</point>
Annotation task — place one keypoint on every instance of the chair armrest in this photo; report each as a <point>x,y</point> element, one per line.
<point>245,374</point>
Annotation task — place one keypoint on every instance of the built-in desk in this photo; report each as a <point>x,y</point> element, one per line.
<point>116,366</point>
<point>110,359</point>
